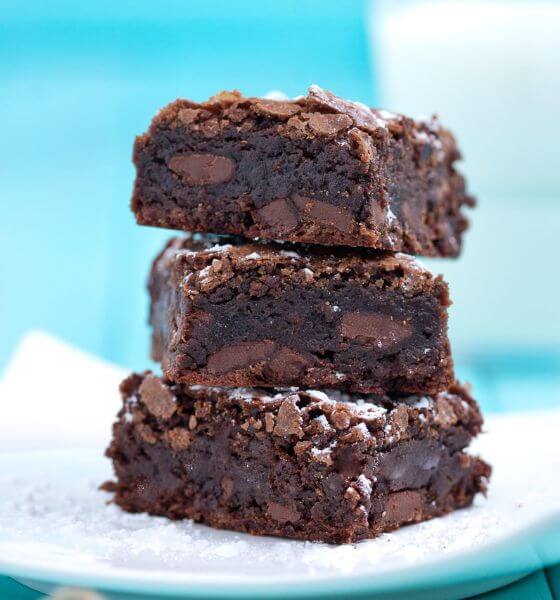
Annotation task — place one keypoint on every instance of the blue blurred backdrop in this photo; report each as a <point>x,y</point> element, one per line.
<point>79,80</point>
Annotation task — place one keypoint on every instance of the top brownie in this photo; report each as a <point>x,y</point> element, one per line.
<point>316,169</point>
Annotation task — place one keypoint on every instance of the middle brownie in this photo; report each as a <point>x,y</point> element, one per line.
<point>243,314</point>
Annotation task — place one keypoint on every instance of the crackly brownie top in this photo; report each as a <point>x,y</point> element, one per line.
<point>300,414</point>
<point>319,114</point>
<point>204,262</point>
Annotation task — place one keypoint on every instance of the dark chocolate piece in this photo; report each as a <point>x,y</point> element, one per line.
<point>304,464</point>
<point>244,314</point>
<point>316,169</point>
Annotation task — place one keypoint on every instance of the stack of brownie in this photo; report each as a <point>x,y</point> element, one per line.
<point>308,387</point>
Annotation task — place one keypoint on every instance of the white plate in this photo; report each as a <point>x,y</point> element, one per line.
<point>56,527</point>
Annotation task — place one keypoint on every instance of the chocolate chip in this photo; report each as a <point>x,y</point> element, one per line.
<point>239,356</point>
<point>202,169</point>
<point>384,330</point>
<point>410,464</point>
<point>403,507</point>
<point>289,419</point>
<point>286,365</point>
<point>277,108</point>
<point>178,438</point>
<point>279,214</point>
<point>157,397</point>
<point>283,513</point>
<point>328,125</point>
<point>324,213</point>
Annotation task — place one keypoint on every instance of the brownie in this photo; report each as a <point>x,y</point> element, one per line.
<point>316,169</point>
<point>273,315</point>
<point>304,464</point>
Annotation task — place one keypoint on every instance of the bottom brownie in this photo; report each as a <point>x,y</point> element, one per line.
<point>301,464</point>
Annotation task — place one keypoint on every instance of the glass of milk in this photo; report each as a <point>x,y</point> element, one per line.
<point>491,71</point>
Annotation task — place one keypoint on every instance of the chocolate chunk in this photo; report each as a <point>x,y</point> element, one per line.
<point>384,330</point>
<point>286,365</point>
<point>283,513</point>
<point>157,398</point>
<point>324,213</point>
<point>403,507</point>
<point>202,169</point>
<point>289,420</point>
<point>409,464</point>
<point>328,125</point>
<point>279,214</point>
<point>239,356</point>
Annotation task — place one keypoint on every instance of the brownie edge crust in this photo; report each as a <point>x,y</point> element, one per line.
<point>302,464</point>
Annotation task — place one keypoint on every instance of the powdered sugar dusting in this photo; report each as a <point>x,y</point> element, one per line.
<point>390,216</point>
<point>422,402</point>
<point>323,422</point>
<point>365,484</point>
<point>290,254</point>
<point>368,410</point>
<point>413,262</point>
<point>276,95</point>
<point>318,395</point>
<point>323,452</point>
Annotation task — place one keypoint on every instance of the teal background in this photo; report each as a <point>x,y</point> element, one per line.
<point>79,80</point>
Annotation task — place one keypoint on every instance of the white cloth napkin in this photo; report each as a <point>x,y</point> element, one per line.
<point>53,395</point>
